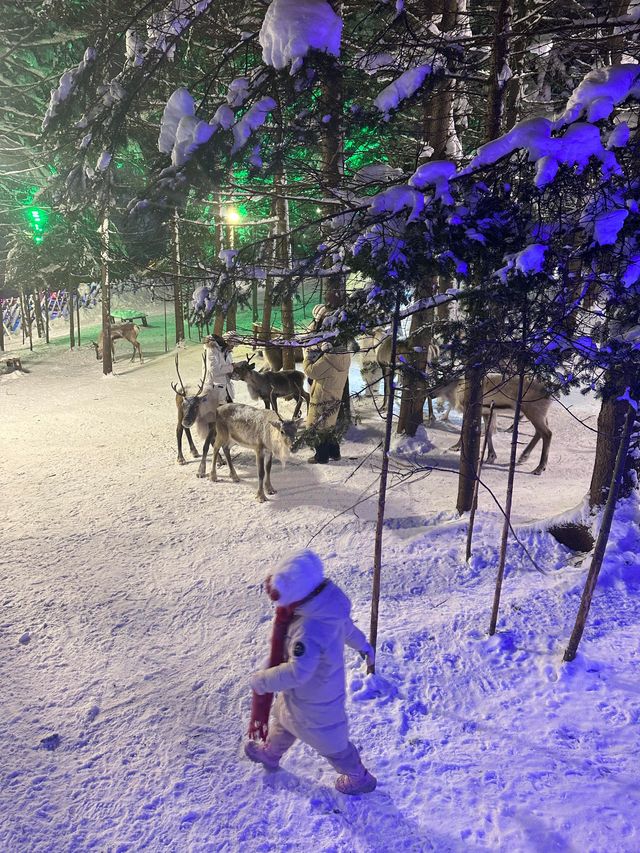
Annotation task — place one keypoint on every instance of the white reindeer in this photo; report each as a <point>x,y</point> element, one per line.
<point>120,331</point>
<point>259,429</point>
<point>502,392</point>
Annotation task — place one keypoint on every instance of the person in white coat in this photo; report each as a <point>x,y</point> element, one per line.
<point>219,366</point>
<point>310,682</point>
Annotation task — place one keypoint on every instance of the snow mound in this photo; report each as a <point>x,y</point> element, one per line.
<point>412,447</point>
<point>291,28</point>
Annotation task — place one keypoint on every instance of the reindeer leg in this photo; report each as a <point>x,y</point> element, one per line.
<point>490,425</point>
<point>296,411</point>
<point>202,468</point>
<point>260,463</point>
<point>542,432</point>
<point>431,414</point>
<point>213,476</point>
<point>274,401</point>
<point>269,462</point>
<point>546,444</point>
<point>192,447</point>
<point>179,431</point>
<point>232,471</point>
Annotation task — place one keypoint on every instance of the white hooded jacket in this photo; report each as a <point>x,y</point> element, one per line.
<point>311,681</point>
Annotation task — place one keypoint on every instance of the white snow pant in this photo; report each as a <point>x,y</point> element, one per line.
<point>346,761</point>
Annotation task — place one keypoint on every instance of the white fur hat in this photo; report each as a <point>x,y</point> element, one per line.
<point>297,576</point>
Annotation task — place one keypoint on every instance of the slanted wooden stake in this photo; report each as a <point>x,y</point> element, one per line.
<point>474,505</point>
<point>382,492</point>
<point>603,537</point>
<point>508,502</point>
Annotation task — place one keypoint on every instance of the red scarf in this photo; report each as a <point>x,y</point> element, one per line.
<point>261,704</point>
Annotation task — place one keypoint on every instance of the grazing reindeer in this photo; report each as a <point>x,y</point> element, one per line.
<point>259,429</point>
<point>268,385</point>
<point>120,331</point>
<point>502,392</point>
<point>404,347</point>
<point>198,409</point>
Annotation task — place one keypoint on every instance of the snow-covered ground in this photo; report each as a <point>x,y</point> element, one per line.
<point>132,614</point>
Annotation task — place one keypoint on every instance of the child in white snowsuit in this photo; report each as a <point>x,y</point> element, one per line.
<point>310,683</point>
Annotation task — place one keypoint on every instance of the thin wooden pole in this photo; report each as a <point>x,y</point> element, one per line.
<point>507,508</point>
<point>382,491</point>
<point>476,488</point>
<point>78,315</point>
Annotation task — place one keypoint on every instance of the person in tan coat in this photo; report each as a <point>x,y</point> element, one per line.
<point>329,370</point>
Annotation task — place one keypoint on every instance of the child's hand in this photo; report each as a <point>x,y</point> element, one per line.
<point>368,654</point>
<point>257,683</point>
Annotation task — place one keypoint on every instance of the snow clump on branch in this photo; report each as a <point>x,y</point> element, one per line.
<point>291,28</point>
<point>66,86</point>
<point>181,133</point>
<point>404,87</point>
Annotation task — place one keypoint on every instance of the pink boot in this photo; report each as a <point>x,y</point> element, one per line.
<point>259,753</point>
<point>363,784</point>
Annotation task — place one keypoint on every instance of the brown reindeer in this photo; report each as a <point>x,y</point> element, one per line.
<point>120,331</point>
<point>268,385</point>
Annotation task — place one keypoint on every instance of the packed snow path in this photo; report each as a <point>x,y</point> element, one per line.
<point>132,614</point>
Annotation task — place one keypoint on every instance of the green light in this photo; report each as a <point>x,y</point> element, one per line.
<point>38,220</point>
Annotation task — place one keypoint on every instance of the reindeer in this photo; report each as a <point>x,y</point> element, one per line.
<point>275,354</point>
<point>404,347</point>
<point>268,385</point>
<point>198,409</point>
<point>502,392</point>
<point>259,429</point>
<point>120,331</point>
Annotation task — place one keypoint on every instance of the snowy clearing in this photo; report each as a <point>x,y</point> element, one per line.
<point>132,615</point>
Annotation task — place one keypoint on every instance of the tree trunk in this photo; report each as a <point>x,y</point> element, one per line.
<point>499,56</point>
<point>177,282</point>
<point>472,420</point>
<point>72,320</point>
<point>37,308</point>
<point>611,419</point>
<point>615,486</point>
<point>105,288</point>
<point>46,314</point>
<point>470,438</point>
<point>2,325</point>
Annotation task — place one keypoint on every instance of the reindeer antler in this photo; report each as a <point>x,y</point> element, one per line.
<point>174,386</point>
<point>204,374</point>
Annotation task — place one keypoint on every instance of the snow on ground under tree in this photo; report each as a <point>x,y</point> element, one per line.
<point>132,614</point>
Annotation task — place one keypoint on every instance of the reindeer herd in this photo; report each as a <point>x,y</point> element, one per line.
<point>221,425</point>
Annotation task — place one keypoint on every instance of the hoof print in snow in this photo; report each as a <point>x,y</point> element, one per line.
<point>92,713</point>
<point>50,742</point>
<point>25,638</point>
